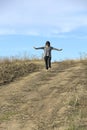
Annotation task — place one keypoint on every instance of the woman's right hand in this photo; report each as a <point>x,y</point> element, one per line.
<point>34,47</point>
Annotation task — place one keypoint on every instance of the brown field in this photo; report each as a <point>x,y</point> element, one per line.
<point>34,99</point>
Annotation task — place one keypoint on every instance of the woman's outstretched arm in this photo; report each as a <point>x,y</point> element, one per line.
<point>56,49</point>
<point>38,48</point>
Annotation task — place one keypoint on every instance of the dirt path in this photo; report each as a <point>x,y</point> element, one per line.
<point>45,100</point>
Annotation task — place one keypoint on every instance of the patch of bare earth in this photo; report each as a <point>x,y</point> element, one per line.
<point>53,100</point>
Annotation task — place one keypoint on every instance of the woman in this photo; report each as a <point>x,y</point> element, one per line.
<point>47,53</point>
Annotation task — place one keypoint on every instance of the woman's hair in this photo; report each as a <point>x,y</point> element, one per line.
<point>48,43</point>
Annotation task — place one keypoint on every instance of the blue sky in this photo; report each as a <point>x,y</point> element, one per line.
<point>28,23</point>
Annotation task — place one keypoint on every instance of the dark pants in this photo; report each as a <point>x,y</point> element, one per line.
<point>47,62</point>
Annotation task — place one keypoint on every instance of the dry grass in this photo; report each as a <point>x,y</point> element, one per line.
<point>14,68</point>
<point>78,104</point>
<point>58,101</point>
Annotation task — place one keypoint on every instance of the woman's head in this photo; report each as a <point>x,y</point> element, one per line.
<point>48,43</point>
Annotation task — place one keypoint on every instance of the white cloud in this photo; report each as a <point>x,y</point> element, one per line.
<point>7,31</point>
<point>34,17</point>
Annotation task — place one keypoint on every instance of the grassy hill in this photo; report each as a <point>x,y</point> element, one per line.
<point>34,99</point>
<point>14,69</point>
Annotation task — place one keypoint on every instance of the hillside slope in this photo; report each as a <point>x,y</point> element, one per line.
<point>53,100</point>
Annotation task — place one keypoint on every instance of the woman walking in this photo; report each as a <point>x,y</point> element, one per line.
<point>47,53</point>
